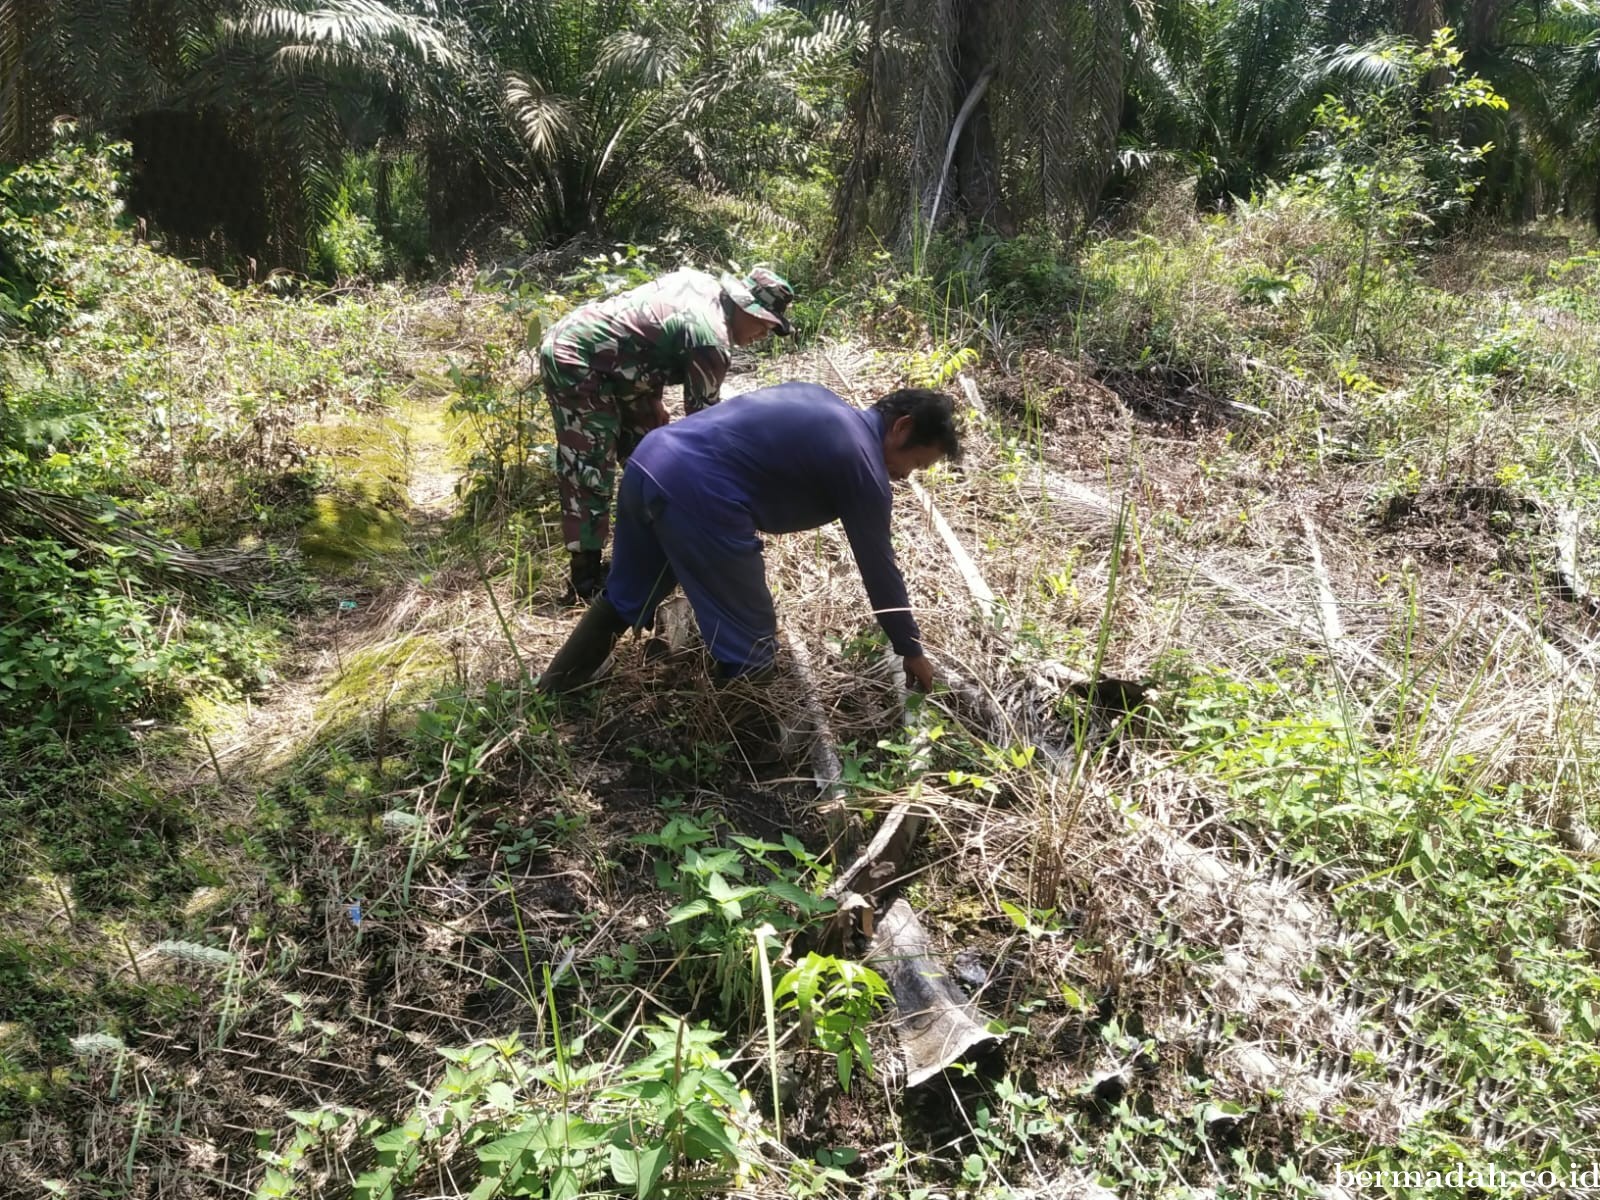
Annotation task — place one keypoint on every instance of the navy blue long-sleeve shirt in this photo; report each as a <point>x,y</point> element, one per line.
<point>784,459</point>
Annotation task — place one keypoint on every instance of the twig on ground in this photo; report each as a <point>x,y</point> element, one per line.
<point>1332,627</point>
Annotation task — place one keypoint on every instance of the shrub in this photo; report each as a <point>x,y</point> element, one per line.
<point>87,645</point>
<point>348,244</point>
<point>40,205</point>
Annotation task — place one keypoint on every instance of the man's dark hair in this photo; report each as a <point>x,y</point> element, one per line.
<point>932,414</point>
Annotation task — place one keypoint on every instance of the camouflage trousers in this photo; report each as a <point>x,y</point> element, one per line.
<point>598,422</point>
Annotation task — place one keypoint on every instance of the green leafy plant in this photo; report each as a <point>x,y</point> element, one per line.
<point>827,1170</point>
<point>1382,171</point>
<point>82,644</point>
<point>72,191</point>
<point>1035,922</point>
<point>507,424</point>
<point>720,912</point>
<point>547,1125</point>
<point>1006,1123</point>
<point>1266,287</point>
<point>937,368</point>
<point>836,1001</point>
<point>1466,893</point>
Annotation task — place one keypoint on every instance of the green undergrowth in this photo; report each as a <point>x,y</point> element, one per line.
<point>1467,371</point>
<point>148,411</point>
<point>1328,322</point>
<point>1463,897</point>
<point>221,421</point>
<point>664,1061</point>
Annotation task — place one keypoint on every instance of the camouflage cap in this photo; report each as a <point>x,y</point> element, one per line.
<point>764,294</point>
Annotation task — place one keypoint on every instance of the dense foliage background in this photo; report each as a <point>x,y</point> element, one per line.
<point>359,137</point>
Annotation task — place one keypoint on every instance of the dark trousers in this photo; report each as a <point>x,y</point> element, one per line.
<point>658,545</point>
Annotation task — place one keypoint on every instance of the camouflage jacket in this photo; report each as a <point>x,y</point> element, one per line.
<point>671,330</point>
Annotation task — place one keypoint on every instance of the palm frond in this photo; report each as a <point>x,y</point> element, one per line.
<point>638,58</point>
<point>541,120</point>
<point>97,526</point>
<point>344,33</point>
<point>837,34</point>
<point>1373,63</point>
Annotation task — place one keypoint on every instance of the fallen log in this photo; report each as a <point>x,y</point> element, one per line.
<point>934,1021</point>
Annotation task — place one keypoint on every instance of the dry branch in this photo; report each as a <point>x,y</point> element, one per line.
<point>1332,627</point>
<point>882,862</point>
<point>843,829</point>
<point>1567,573</point>
<point>969,389</point>
<point>1557,663</point>
<point>979,87</point>
<point>982,594</point>
<point>95,526</point>
<point>1091,503</point>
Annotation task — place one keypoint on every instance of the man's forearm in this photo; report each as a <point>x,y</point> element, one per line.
<point>901,628</point>
<point>702,385</point>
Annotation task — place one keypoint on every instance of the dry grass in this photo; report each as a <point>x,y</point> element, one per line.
<point>1125,829</point>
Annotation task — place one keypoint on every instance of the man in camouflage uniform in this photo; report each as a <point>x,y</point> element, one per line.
<point>605,366</point>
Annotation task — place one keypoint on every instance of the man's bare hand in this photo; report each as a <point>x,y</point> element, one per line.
<point>659,406</point>
<point>919,672</point>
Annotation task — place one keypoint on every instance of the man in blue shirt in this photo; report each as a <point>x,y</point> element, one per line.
<point>696,494</point>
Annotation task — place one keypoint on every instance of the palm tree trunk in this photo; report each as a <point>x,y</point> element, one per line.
<point>383,209</point>
<point>1420,19</point>
<point>460,192</point>
<point>1596,208</point>
<point>861,170</point>
<point>25,95</point>
<point>978,187</point>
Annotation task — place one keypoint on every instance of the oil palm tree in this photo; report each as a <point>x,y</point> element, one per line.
<point>991,111</point>
<point>1229,86</point>
<point>1570,128</point>
<point>607,101</point>
<point>108,59</point>
<point>317,79</point>
<point>1544,56</point>
<point>568,111</point>
<point>241,95</point>
<point>26,94</point>
<point>1550,66</point>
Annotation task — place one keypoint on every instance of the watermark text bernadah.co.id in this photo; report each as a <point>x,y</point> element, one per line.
<point>1574,1180</point>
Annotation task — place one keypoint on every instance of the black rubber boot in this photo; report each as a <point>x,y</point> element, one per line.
<point>588,576</point>
<point>585,649</point>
